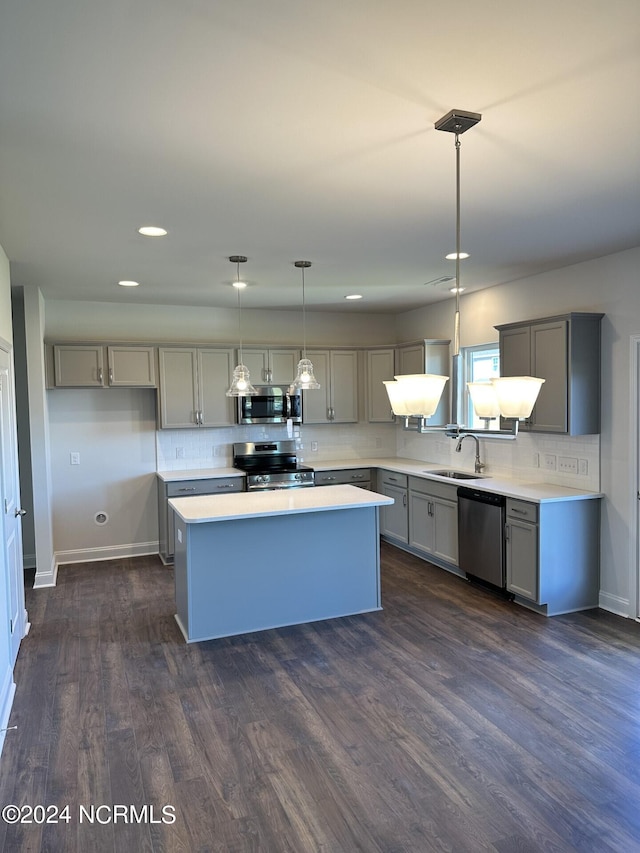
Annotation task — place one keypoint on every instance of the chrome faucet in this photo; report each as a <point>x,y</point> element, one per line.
<point>479,465</point>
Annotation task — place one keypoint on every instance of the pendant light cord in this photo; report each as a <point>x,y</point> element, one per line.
<point>304,320</point>
<point>240,322</point>
<point>456,324</point>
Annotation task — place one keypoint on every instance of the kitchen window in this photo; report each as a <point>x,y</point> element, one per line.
<point>479,364</point>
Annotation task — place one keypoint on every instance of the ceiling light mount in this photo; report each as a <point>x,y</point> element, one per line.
<point>457,121</point>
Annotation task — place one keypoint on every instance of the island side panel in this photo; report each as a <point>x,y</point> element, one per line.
<point>247,575</point>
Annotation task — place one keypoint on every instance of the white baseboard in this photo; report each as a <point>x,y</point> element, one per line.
<point>46,578</point>
<point>112,552</point>
<point>615,604</point>
<point>7,693</point>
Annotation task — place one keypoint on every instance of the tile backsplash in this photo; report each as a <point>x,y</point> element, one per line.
<point>532,457</point>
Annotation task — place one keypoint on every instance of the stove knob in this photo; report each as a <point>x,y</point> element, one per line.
<point>261,479</point>
<point>298,476</point>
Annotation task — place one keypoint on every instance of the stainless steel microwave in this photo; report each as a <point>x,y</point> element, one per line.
<point>271,405</point>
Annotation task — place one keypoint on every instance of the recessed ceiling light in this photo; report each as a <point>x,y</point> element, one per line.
<point>239,285</point>
<point>453,255</point>
<point>456,289</point>
<point>129,283</point>
<point>152,231</point>
<point>354,296</point>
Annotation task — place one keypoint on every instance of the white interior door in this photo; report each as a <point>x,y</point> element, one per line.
<point>10,505</point>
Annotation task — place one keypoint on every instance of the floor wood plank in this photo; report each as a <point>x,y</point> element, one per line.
<point>451,720</point>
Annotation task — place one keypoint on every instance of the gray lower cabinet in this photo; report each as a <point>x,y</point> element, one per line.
<point>552,553</point>
<point>351,476</point>
<point>433,519</point>
<point>394,519</point>
<point>184,489</point>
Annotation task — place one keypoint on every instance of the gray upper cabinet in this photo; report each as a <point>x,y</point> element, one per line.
<point>269,366</point>
<point>100,366</point>
<point>565,352</point>
<point>78,366</point>
<point>428,356</point>
<point>193,385</point>
<point>131,366</point>
<point>380,367</point>
<point>336,401</point>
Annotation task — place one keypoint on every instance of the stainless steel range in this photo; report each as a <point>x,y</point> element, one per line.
<point>271,465</point>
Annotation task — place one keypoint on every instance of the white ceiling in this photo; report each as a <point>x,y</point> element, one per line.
<point>293,129</point>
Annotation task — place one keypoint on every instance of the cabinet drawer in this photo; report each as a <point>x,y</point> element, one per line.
<point>352,476</point>
<point>437,490</point>
<point>392,478</point>
<point>522,510</point>
<point>186,488</point>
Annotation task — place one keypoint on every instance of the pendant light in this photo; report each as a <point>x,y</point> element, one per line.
<point>240,381</point>
<point>305,380</point>
<point>512,397</point>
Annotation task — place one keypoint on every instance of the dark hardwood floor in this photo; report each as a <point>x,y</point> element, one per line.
<point>450,721</point>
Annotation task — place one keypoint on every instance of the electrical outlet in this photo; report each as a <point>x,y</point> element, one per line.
<point>179,452</point>
<point>314,446</point>
<point>550,461</point>
<point>568,464</point>
<point>583,467</point>
<point>74,458</point>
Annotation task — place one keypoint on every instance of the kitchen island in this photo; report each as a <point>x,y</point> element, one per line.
<point>251,561</point>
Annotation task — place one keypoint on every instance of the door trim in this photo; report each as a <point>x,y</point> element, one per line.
<point>634,481</point>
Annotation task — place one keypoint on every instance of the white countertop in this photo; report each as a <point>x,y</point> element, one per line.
<point>198,474</point>
<point>207,508</point>
<point>511,487</point>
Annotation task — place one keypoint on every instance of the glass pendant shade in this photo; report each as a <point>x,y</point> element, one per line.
<point>241,383</point>
<point>399,405</point>
<point>415,394</point>
<point>483,397</point>
<point>517,395</point>
<point>305,380</point>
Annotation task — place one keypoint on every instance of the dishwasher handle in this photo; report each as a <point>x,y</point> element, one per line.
<point>481,497</point>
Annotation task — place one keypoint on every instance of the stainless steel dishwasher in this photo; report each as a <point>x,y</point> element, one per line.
<point>481,551</point>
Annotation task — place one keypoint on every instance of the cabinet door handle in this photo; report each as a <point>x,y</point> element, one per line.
<point>225,486</point>
<point>187,489</point>
<point>111,376</point>
<point>506,532</point>
<point>404,500</point>
<point>99,374</point>
<point>329,479</point>
<point>517,511</point>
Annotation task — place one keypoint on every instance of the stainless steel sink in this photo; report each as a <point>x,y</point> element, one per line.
<point>456,475</point>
